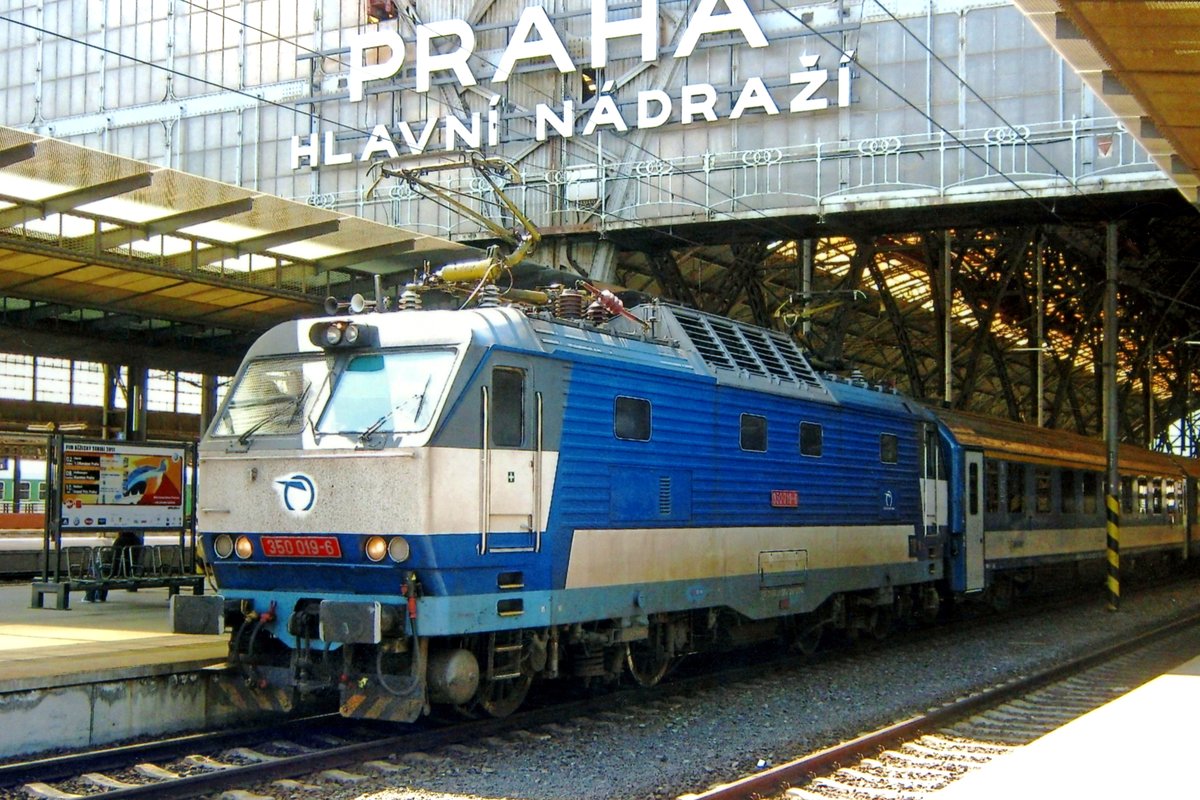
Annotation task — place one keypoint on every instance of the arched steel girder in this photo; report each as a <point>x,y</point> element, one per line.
<point>876,304</point>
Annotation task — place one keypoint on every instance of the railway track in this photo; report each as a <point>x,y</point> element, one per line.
<point>329,749</point>
<point>920,755</point>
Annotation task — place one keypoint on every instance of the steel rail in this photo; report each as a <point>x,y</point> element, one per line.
<point>777,779</point>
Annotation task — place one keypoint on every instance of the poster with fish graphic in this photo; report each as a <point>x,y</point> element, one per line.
<point>119,485</point>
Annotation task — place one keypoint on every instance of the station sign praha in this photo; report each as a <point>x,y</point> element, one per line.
<point>119,485</point>
<point>445,48</point>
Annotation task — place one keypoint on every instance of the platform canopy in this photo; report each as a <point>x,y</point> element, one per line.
<point>101,247</point>
<point>1143,58</point>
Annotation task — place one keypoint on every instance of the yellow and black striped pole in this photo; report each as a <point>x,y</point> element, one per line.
<point>1109,392</point>
<point>1114,550</point>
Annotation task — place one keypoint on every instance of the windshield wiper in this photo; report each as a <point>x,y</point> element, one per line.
<point>374,427</point>
<point>292,409</point>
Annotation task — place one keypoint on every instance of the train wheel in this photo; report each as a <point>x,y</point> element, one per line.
<point>499,698</point>
<point>808,640</point>
<point>505,680</point>
<point>649,660</point>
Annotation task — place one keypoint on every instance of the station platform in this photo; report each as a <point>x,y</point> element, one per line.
<point>101,673</point>
<point>127,636</point>
<point>1140,745</point>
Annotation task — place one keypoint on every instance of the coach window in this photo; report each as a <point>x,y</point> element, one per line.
<point>1066,491</point>
<point>991,484</point>
<point>1015,484</point>
<point>889,448</point>
<point>1041,478</point>
<point>508,407</point>
<point>811,439</point>
<point>754,433</point>
<point>1170,496</point>
<point>1143,495</point>
<point>631,419</point>
<point>973,489</point>
<point>1156,496</point>
<point>1126,495</point>
<point>1090,484</point>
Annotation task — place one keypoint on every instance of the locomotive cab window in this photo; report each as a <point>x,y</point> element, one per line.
<point>389,392</point>
<point>508,407</point>
<point>811,439</point>
<point>631,419</point>
<point>889,448</point>
<point>754,433</point>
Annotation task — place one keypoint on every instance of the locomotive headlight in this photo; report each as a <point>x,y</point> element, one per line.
<point>377,548</point>
<point>333,334</point>
<point>223,545</point>
<point>243,547</point>
<point>398,549</point>
<point>350,335</point>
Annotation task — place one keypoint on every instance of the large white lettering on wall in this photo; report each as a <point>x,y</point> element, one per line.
<point>442,52</point>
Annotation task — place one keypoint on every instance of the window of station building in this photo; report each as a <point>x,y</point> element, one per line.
<point>631,419</point>
<point>889,448</point>
<point>1041,480</point>
<point>1091,485</point>
<point>811,439</point>
<point>381,10</point>
<point>52,381</point>
<point>991,487</point>
<point>177,392</point>
<point>1015,486</point>
<point>507,417</point>
<point>591,78</point>
<point>754,433</point>
<point>1066,491</point>
<point>16,377</point>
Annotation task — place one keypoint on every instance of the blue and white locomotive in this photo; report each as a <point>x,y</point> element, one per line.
<point>441,507</point>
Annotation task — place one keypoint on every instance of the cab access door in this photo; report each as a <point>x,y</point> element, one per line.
<point>512,457</point>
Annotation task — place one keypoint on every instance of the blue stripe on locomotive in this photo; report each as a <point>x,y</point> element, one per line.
<point>604,482</point>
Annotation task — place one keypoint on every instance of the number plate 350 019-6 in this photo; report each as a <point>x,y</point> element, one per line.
<point>301,547</point>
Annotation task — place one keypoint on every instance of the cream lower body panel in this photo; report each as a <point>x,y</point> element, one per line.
<point>1003,545</point>
<point>652,555</point>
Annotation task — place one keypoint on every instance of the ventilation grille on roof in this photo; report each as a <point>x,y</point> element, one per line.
<point>725,344</point>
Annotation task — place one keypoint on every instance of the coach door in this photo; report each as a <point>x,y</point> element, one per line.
<point>973,532</point>
<point>512,450</point>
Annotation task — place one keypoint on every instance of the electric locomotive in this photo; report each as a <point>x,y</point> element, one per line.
<point>429,508</point>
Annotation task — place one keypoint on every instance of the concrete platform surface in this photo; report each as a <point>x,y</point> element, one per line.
<point>1141,745</point>
<point>128,635</point>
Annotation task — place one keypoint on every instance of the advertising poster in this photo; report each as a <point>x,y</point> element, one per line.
<point>121,486</point>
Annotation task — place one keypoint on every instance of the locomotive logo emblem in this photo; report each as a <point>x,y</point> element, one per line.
<point>298,492</point>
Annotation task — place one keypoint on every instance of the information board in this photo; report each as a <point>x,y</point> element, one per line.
<point>120,485</point>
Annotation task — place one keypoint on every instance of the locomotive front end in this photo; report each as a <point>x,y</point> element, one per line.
<point>317,477</point>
